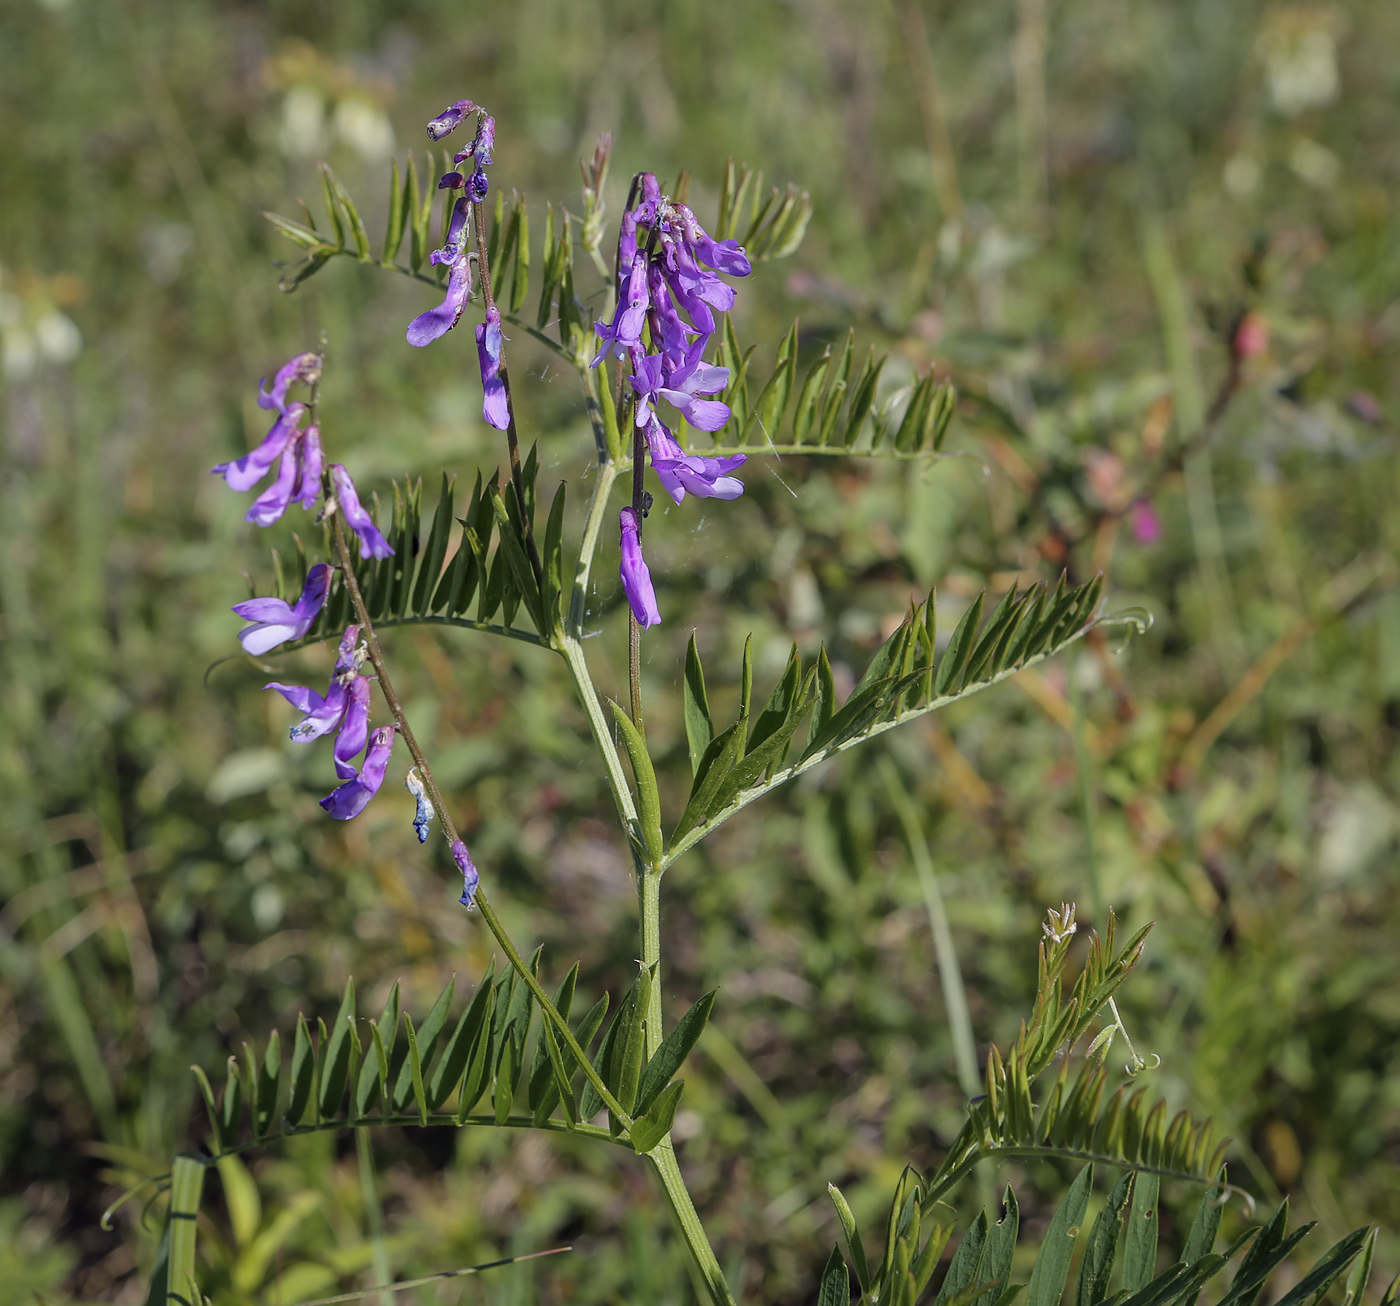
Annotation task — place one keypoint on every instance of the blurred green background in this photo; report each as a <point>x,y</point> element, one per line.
<point>1066,206</point>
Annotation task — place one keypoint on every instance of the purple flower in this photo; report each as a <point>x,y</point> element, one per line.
<point>636,579</point>
<point>304,369</point>
<point>449,119</point>
<point>312,465</point>
<point>485,139</point>
<point>437,322</point>
<point>450,181</point>
<point>478,187</point>
<point>321,715</point>
<point>470,879</point>
<point>353,796</point>
<point>456,238</point>
<point>354,727</point>
<point>494,407</point>
<point>246,472</point>
<point>269,506</point>
<point>372,543</point>
<point>682,387</point>
<point>625,330</point>
<point>276,621</point>
<point>681,473</point>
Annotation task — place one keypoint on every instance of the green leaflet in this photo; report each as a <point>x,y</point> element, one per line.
<point>1051,1267</point>
<point>649,1129</point>
<point>674,1049</point>
<point>648,796</point>
<point>335,1063</point>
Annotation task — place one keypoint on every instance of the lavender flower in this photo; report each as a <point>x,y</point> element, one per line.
<point>636,579</point>
<point>277,621</point>
<point>354,727</point>
<point>246,472</point>
<point>269,506</point>
<point>304,369</point>
<point>470,879</point>
<point>494,406</point>
<point>437,322</point>
<point>312,465</point>
<point>321,715</point>
<point>456,239</point>
<point>351,798</point>
<point>372,543</point>
<point>450,119</point>
<point>681,473</point>
<point>655,376</point>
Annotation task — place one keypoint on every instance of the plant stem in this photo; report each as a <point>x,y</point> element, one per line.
<point>663,1157</point>
<point>1084,772</point>
<point>449,828</point>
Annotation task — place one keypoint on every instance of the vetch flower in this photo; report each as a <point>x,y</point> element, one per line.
<point>450,119</point>
<point>470,879</point>
<point>456,237</point>
<point>636,579</point>
<point>423,818</point>
<point>437,322</point>
<point>244,473</point>
<point>269,506</point>
<point>372,543</point>
<point>494,406</point>
<point>354,728</point>
<point>655,377</point>
<point>351,798</point>
<point>277,621</point>
<point>681,473</point>
<point>304,369</point>
<point>312,465</point>
<point>321,715</point>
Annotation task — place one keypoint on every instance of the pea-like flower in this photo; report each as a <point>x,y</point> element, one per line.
<point>372,543</point>
<point>636,579</point>
<point>351,798</point>
<point>277,621</point>
<point>494,406</point>
<point>450,119</point>
<point>423,817</point>
<point>681,473</point>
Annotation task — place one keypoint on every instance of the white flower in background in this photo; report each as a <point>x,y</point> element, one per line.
<point>1314,163</point>
<point>303,130</point>
<point>364,128</point>
<point>1299,50</point>
<point>58,337</point>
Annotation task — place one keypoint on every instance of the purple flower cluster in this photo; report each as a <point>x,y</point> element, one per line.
<point>299,450</point>
<point>668,294</point>
<point>455,255</point>
<point>344,710</point>
<point>299,480</point>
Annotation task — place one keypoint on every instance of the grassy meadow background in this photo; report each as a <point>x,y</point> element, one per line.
<point>1065,206</point>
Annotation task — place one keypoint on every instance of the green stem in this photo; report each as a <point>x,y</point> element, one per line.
<point>663,1157</point>
<point>374,1214</point>
<point>1084,771</point>
<point>449,828</point>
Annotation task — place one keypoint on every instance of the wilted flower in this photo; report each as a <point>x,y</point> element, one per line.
<point>636,579</point>
<point>372,543</point>
<point>470,879</point>
<point>423,817</point>
<point>321,715</point>
<point>353,796</point>
<point>277,621</point>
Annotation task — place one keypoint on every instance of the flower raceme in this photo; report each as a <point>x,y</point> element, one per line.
<point>456,256</point>
<point>296,451</point>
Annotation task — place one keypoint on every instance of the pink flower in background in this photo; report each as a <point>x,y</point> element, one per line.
<point>1147,526</point>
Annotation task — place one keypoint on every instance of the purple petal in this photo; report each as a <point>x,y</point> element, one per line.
<point>346,661</point>
<point>372,543</point>
<point>265,610</point>
<point>706,414</point>
<point>269,506</point>
<point>353,797</point>
<point>636,579</point>
<point>313,593</point>
<point>470,879</point>
<point>456,236</point>
<point>449,119</point>
<point>260,639</point>
<point>304,368</point>
<point>247,471</point>
<point>494,406</point>
<point>312,465</point>
<point>354,728</point>
<point>437,322</point>
<point>450,181</point>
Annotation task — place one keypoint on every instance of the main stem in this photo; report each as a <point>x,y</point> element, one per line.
<point>449,828</point>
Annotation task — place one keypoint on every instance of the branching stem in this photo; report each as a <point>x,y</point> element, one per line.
<point>449,828</point>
